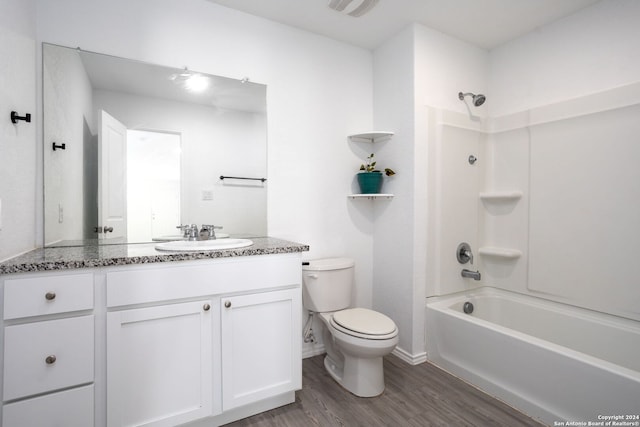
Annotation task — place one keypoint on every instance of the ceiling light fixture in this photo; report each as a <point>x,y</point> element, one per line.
<point>362,6</point>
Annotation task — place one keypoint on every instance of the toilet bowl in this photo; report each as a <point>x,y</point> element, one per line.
<point>355,339</point>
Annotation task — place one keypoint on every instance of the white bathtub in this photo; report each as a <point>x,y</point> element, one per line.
<point>554,362</point>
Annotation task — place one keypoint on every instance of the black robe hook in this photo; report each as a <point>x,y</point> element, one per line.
<point>15,117</point>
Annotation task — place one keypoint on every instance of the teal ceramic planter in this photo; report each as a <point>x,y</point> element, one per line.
<point>370,182</point>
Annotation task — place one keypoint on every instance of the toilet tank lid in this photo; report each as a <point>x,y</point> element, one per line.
<point>328,264</point>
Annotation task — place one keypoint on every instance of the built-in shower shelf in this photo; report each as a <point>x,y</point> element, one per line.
<point>372,136</point>
<point>501,196</point>
<point>496,252</point>
<point>370,196</point>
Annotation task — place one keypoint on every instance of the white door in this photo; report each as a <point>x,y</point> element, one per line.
<point>112,178</point>
<point>159,364</point>
<point>261,346</point>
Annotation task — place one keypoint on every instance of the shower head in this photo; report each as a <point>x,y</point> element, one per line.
<point>478,99</point>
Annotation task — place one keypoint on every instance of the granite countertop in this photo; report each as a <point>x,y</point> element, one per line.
<point>88,256</point>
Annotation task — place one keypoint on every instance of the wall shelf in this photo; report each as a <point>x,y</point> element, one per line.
<point>496,252</point>
<point>501,196</point>
<point>372,136</point>
<point>370,196</point>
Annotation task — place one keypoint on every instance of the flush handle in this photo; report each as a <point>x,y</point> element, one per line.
<point>312,276</point>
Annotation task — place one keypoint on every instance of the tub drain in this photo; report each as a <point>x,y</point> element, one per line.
<point>467,307</point>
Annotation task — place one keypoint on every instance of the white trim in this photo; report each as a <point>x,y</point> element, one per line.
<point>310,350</point>
<point>412,359</point>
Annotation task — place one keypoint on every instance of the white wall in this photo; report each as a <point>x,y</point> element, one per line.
<point>416,68</point>
<point>17,141</point>
<point>592,50</point>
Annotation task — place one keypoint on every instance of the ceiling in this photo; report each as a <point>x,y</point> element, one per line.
<point>484,23</point>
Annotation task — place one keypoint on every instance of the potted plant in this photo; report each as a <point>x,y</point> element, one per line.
<point>370,179</point>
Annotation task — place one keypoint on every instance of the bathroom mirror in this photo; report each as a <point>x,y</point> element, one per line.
<point>132,150</point>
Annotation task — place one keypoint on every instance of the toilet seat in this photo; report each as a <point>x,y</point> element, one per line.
<point>364,323</point>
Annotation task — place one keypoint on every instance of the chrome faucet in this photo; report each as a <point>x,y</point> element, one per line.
<point>475,275</point>
<point>212,230</point>
<point>192,232</point>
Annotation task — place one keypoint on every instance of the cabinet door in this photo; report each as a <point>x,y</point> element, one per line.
<point>261,346</point>
<point>159,364</point>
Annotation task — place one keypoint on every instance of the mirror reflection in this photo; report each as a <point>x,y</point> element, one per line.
<point>144,149</point>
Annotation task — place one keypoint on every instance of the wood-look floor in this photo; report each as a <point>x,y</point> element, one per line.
<point>415,396</point>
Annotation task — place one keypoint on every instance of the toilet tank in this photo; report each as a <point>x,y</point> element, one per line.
<point>327,284</point>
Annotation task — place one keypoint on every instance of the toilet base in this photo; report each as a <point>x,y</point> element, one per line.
<point>362,377</point>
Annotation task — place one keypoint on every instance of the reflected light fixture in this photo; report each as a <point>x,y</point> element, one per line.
<point>358,9</point>
<point>193,82</point>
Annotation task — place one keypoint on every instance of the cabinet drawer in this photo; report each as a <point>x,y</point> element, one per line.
<point>69,408</point>
<point>45,356</point>
<point>35,296</point>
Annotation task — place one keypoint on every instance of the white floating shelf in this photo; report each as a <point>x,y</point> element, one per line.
<point>496,252</point>
<point>498,196</point>
<point>373,136</point>
<point>370,196</point>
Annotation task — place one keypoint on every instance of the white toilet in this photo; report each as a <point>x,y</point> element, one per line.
<point>355,339</point>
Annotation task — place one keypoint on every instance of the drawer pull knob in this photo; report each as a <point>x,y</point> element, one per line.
<point>50,296</point>
<point>227,304</point>
<point>206,307</point>
<point>50,360</point>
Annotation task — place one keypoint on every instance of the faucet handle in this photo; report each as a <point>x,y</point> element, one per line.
<point>464,254</point>
<point>211,229</point>
<point>184,229</point>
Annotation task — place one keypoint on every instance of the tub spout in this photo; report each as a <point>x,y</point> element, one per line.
<point>475,275</point>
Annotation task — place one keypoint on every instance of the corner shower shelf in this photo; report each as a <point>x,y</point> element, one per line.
<point>501,196</point>
<point>372,136</point>
<point>505,253</point>
<point>370,196</point>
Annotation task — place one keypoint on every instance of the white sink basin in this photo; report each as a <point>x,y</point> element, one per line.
<point>203,245</point>
<point>172,237</point>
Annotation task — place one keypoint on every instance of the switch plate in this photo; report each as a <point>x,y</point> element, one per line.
<point>207,195</point>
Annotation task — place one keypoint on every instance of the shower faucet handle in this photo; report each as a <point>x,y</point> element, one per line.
<point>464,254</point>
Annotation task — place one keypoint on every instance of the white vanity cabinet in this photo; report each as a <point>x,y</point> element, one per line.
<point>199,342</point>
<point>261,346</point>
<point>176,353</point>
<point>48,350</point>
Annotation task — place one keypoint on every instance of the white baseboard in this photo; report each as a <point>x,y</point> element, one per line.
<point>412,359</point>
<point>312,350</point>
